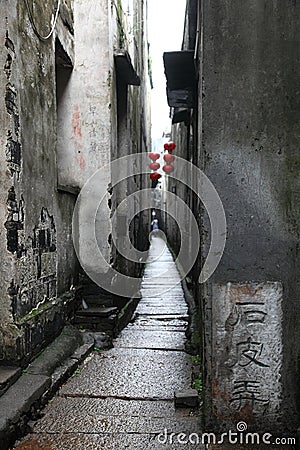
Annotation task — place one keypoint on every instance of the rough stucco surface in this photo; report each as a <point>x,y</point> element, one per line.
<point>7,60</point>
<point>58,125</point>
<point>84,125</point>
<point>34,210</point>
<point>250,144</point>
<point>244,134</point>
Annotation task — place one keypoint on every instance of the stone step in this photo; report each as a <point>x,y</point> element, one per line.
<point>8,376</point>
<point>97,300</point>
<point>98,319</point>
<point>97,311</point>
<point>107,322</point>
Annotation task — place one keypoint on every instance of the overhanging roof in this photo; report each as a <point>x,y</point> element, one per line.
<point>181,78</point>
<point>180,115</point>
<point>125,68</point>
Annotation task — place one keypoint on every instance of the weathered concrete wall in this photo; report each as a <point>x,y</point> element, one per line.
<point>250,142</point>
<point>84,126</point>
<point>121,118</point>
<point>33,209</point>
<point>245,126</point>
<point>10,155</point>
<point>131,123</point>
<point>179,135</point>
<point>58,126</point>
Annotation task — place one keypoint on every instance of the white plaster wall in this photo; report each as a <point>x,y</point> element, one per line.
<point>85,127</point>
<point>84,119</point>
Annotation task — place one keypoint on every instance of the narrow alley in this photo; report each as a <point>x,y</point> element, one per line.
<point>123,116</point>
<point>124,397</point>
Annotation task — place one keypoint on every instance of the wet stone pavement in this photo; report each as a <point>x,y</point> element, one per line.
<point>123,398</point>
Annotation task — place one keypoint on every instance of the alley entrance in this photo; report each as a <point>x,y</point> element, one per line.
<point>124,397</point>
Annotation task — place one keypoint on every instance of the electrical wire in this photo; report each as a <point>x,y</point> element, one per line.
<point>42,38</point>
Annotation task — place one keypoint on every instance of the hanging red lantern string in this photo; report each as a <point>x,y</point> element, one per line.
<point>169,158</point>
<point>155,176</point>
<point>154,156</point>
<point>154,166</point>
<point>169,146</point>
<point>168,168</point>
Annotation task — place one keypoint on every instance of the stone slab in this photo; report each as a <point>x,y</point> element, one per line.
<point>228,446</point>
<point>162,293</point>
<point>110,321</point>
<point>132,373</point>
<point>154,310</point>
<point>131,338</point>
<point>76,406</point>
<point>62,373</point>
<point>188,397</point>
<point>160,302</point>
<point>163,317</point>
<point>85,415</point>
<point>8,375</point>
<point>156,273</point>
<point>154,323</point>
<point>157,327</point>
<point>97,311</point>
<point>83,351</point>
<point>114,441</point>
<point>19,398</point>
<point>171,287</point>
<point>158,282</point>
<point>60,349</point>
<point>164,299</point>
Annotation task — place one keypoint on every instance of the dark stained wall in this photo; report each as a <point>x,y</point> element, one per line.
<point>36,238</point>
<point>250,145</point>
<point>245,137</point>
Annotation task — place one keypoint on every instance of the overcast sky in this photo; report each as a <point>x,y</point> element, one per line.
<point>166,21</point>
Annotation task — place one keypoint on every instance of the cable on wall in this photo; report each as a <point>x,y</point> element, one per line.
<point>42,38</point>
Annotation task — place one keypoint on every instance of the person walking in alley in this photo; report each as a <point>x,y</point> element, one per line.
<point>154,225</point>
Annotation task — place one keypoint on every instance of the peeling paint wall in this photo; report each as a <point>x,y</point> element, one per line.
<point>58,125</point>
<point>31,206</point>
<point>8,103</point>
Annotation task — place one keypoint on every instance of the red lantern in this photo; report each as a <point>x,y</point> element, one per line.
<point>169,146</point>
<point>154,156</point>
<point>169,158</point>
<point>155,176</point>
<point>154,166</point>
<point>168,168</point>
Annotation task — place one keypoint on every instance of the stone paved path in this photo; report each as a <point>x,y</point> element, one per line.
<point>123,398</point>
